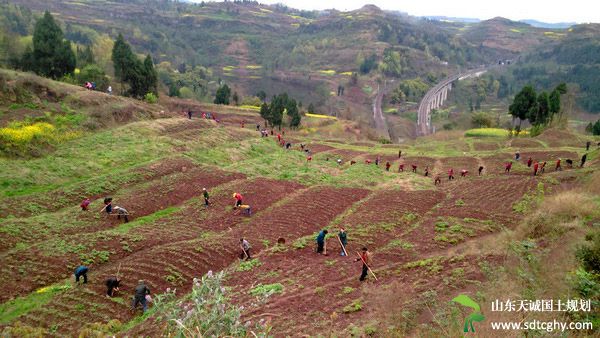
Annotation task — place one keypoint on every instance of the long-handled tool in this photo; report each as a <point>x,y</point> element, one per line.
<point>368,267</point>
<point>244,251</point>
<point>343,247</point>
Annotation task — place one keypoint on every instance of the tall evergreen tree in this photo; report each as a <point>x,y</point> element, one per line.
<point>265,112</point>
<point>541,112</point>
<point>523,103</point>
<point>278,105</point>
<point>52,55</point>
<point>223,94</point>
<point>150,76</point>
<point>140,76</point>
<point>293,113</point>
<point>122,57</point>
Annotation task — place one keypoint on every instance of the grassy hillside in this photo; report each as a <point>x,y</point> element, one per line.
<point>430,242</point>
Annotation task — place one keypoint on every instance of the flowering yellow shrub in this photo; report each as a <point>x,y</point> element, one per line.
<point>23,139</point>
<point>23,134</point>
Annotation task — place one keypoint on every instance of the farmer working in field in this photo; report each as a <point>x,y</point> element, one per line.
<point>414,168</point>
<point>569,163</point>
<point>587,145</point>
<point>321,241</point>
<point>517,155</point>
<point>480,169</point>
<point>206,197</point>
<point>365,257</point>
<point>84,205</point>
<point>438,180</point>
<point>122,212</point>
<point>583,159</point>
<point>401,168</point>
<point>141,291</point>
<point>107,205</point>
<point>450,174</point>
<point>543,167</point>
<point>387,166</point>
<point>343,241</point>
<point>81,271</point>
<point>507,167</point>
<point>536,165</point>
<point>558,167</point>
<point>112,285</point>
<point>529,162</point>
<point>238,199</point>
<point>399,153</point>
<point>426,171</point>
<point>463,173</point>
<point>245,246</point>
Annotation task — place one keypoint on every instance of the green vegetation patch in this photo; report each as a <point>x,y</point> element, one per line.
<point>355,306</point>
<point>249,265</point>
<point>486,132</point>
<point>265,290</point>
<point>22,305</point>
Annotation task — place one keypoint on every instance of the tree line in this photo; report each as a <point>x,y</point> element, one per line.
<point>52,55</point>
<point>538,109</point>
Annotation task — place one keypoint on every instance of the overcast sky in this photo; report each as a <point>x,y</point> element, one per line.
<point>552,11</point>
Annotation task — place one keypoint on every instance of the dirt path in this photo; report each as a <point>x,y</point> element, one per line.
<point>378,117</point>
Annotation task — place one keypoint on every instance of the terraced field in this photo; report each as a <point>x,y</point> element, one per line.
<point>413,228</point>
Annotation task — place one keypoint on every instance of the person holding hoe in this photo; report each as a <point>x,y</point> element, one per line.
<point>365,257</point>
<point>343,239</point>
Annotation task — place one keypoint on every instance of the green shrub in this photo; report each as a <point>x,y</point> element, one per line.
<point>206,310</point>
<point>355,306</point>
<point>248,265</point>
<point>265,290</point>
<point>151,98</point>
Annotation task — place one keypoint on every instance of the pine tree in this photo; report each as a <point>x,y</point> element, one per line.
<point>223,94</point>
<point>265,112</point>
<point>293,113</point>
<point>52,55</point>
<point>122,57</point>
<point>235,98</point>
<point>150,76</point>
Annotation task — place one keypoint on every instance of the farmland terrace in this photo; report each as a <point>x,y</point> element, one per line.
<point>422,235</point>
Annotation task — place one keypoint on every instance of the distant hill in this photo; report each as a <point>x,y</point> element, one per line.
<point>559,25</point>
<point>274,48</point>
<point>453,19</point>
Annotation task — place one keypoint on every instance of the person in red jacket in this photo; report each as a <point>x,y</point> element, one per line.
<point>401,168</point>
<point>414,168</point>
<point>450,174</point>
<point>367,161</point>
<point>278,137</point>
<point>507,167</point>
<point>529,161</point>
<point>535,168</point>
<point>238,199</point>
<point>387,166</point>
<point>558,167</point>
<point>84,205</point>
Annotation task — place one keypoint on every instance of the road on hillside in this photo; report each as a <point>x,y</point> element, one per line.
<point>380,121</point>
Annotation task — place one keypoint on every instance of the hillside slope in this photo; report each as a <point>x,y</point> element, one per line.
<point>430,241</point>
